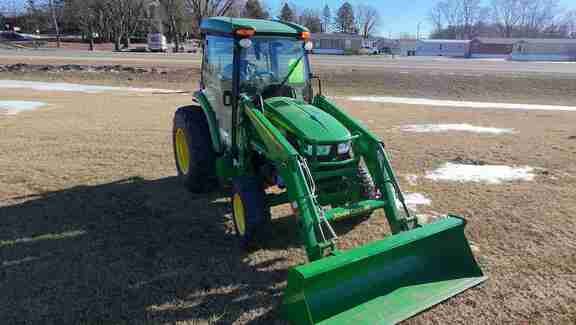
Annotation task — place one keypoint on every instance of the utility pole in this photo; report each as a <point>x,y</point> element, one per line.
<point>418,30</point>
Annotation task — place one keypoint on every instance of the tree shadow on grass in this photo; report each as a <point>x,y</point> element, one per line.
<point>134,251</point>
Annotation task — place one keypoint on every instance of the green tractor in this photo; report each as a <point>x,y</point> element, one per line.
<point>259,123</point>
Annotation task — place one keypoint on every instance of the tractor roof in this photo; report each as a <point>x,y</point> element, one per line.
<point>227,25</point>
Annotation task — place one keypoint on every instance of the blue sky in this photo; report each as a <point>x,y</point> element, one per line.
<point>398,16</point>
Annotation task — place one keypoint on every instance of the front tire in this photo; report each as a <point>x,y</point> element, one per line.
<point>193,151</point>
<point>368,190</point>
<point>249,210</point>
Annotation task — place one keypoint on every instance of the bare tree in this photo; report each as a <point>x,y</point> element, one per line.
<point>311,19</point>
<point>525,18</point>
<point>55,23</point>
<point>457,17</point>
<point>175,20</point>
<point>326,19</point>
<point>200,9</point>
<point>368,19</point>
<point>537,16</point>
<point>235,10</point>
<point>507,18</point>
<point>445,16</point>
<point>34,15</point>
<point>470,17</point>
<point>451,11</point>
<point>507,14</point>
<point>569,21</point>
<point>436,17</point>
<point>85,13</point>
<point>124,18</point>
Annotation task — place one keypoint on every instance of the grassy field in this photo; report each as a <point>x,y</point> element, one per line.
<point>95,228</point>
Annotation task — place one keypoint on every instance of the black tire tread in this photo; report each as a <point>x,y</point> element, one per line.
<point>201,177</point>
<point>253,195</point>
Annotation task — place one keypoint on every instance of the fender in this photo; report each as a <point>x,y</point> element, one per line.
<point>212,123</point>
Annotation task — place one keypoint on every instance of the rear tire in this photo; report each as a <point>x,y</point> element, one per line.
<point>193,151</point>
<point>249,210</point>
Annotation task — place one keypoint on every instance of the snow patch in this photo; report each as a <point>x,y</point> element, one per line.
<point>13,107</point>
<point>412,179</point>
<point>462,104</point>
<point>69,87</point>
<point>491,174</point>
<point>424,218</point>
<point>436,128</point>
<point>413,200</point>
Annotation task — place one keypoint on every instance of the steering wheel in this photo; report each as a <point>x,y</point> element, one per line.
<point>247,73</point>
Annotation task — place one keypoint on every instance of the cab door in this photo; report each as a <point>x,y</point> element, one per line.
<point>217,81</point>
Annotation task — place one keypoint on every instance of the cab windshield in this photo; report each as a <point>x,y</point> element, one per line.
<point>274,67</point>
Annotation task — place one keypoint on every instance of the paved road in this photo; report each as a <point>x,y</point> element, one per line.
<point>447,65</point>
<point>328,62</point>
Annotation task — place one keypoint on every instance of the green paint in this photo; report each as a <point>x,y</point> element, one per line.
<point>297,77</point>
<point>211,118</point>
<point>354,209</point>
<point>228,25</point>
<point>386,281</point>
<point>277,147</point>
<point>380,283</point>
<point>367,145</point>
<point>307,122</point>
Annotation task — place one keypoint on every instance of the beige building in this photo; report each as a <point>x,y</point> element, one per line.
<point>336,43</point>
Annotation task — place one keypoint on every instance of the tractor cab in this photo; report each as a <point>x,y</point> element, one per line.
<point>259,59</point>
<point>271,67</point>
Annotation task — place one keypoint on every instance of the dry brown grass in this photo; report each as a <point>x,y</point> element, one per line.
<point>151,253</point>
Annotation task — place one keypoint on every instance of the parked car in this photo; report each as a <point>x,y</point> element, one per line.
<point>16,37</point>
<point>368,51</point>
<point>157,42</point>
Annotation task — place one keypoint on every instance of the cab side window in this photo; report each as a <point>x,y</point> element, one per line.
<point>217,79</point>
<point>218,52</point>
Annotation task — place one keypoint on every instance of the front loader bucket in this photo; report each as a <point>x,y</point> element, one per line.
<point>384,282</point>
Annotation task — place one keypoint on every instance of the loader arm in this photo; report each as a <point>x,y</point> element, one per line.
<point>376,158</point>
<point>293,170</point>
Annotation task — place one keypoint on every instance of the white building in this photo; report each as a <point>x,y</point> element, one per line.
<point>544,50</point>
<point>405,47</point>
<point>449,48</point>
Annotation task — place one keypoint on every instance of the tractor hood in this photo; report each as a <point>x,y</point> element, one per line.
<point>305,121</point>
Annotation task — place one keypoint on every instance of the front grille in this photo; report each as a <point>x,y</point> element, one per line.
<point>334,156</point>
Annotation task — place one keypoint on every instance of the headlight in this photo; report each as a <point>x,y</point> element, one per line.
<point>343,148</point>
<point>323,150</point>
<point>307,149</point>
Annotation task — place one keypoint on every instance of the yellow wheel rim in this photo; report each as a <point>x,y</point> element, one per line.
<point>239,217</point>
<point>182,153</point>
